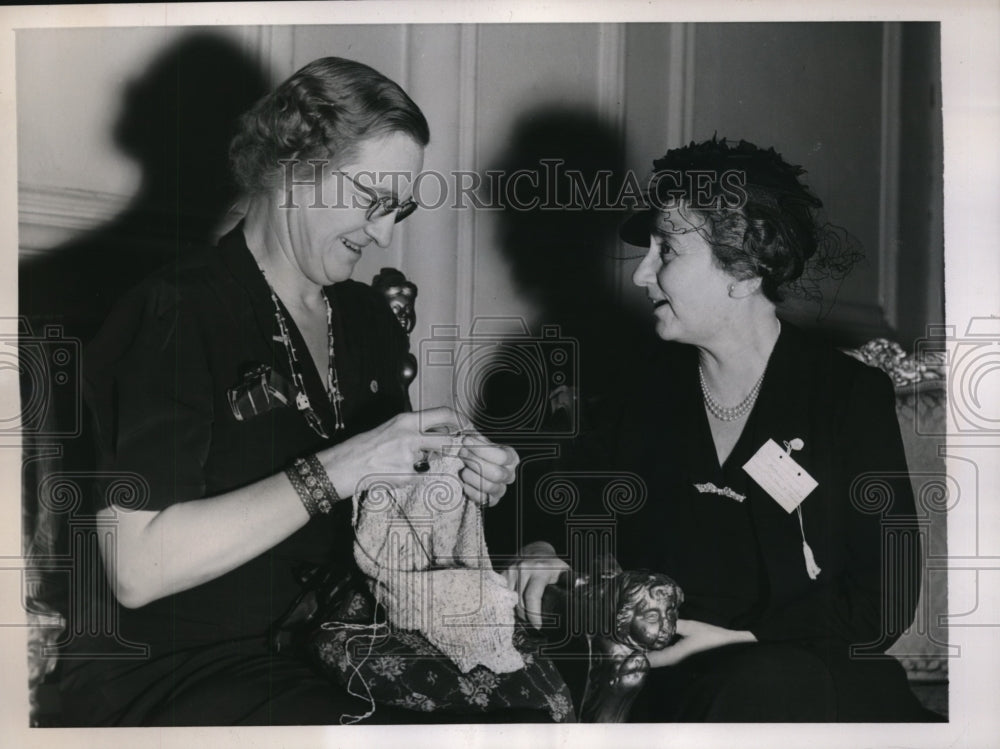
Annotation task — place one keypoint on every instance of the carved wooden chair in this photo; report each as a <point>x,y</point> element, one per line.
<point>622,615</point>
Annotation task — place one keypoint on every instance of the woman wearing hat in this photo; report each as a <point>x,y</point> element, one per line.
<point>778,495</point>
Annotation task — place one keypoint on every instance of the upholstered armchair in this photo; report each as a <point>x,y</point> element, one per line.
<point>921,407</point>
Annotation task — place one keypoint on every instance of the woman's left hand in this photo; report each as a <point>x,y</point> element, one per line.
<point>489,469</point>
<point>695,638</point>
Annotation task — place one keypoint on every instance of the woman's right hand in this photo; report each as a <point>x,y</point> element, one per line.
<point>206,538</point>
<point>389,451</point>
<point>536,567</point>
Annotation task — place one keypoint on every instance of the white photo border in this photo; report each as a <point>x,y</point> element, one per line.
<point>971,116</point>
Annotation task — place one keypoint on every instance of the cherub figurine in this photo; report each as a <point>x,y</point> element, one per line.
<point>645,606</point>
<point>401,296</point>
<point>623,615</point>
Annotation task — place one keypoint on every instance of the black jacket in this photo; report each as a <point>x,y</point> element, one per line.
<point>741,564</point>
<point>157,380</point>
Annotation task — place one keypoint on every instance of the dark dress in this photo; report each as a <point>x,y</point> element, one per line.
<point>157,381</point>
<point>741,563</point>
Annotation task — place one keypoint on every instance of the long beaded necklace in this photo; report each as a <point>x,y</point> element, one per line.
<point>332,379</point>
<point>741,409</point>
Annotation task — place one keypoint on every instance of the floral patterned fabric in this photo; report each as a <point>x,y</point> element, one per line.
<point>403,669</point>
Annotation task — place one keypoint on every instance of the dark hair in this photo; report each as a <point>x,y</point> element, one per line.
<point>326,109</point>
<point>759,218</point>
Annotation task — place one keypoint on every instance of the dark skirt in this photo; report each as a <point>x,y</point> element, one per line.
<point>229,684</point>
<point>779,683</point>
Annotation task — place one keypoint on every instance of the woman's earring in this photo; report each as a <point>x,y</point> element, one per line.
<point>732,288</point>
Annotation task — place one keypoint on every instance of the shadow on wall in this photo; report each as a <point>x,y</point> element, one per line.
<point>566,260</point>
<point>177,121</point>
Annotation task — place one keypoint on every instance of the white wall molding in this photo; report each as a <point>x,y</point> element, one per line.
<point>888,276</point>
<point>680,84</point>
<point>611,86</point>
<point>611,74</point>
<point>48,216</point>
<point>273,49</point>
<point>252,41</point>
<point>400,251</point>
<point>468,158</point>
<point>278,52</point>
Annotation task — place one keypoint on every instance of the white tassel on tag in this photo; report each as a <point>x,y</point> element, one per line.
<point>811,567</point>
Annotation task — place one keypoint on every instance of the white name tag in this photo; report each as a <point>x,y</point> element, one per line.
<point>780,476</point>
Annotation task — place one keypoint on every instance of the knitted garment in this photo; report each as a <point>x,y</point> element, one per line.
<point>422,547</point>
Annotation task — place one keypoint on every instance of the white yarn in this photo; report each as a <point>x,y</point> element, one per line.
<point>375,628</point>
<point>422,545</point>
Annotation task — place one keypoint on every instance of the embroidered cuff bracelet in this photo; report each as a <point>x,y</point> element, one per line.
<point>313,485</point>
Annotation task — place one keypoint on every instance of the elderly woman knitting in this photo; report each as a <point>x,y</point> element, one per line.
<point>252,393</point>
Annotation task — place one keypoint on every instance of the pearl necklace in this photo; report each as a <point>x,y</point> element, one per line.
<point>723,413</point>
<point>741,409</point>
<point>332,379</point>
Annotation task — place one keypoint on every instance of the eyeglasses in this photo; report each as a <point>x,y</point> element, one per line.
<point>382,205</point>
